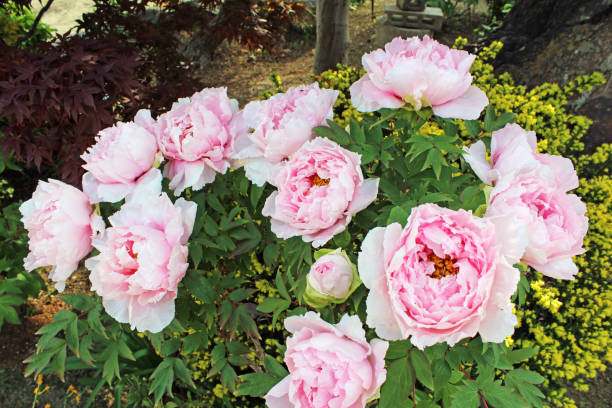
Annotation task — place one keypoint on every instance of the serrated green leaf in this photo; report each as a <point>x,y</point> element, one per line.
<point>229,377</point>
<point>280,285</point>
<point>93,320</point>
<point>397,390</point>
<point>356,131</point>
<point>270,254</point>
<point>71,333</point>
<point>399,215</point>
<point>255,384</point>
<point>530,377</point>
<point>473,127</point>
<point>516,356</point>
<point>466,396</point>
<point>182,372</point>
<point>422,368</point>
<point>195,253</point>
<point>398,349</point>
<point>110,369</point>
<point>200,287</point>
<point>274,367</point>
<point>58,365</point>
<point>162,379</point>
<point>441,374</point>
<point>269,305</point>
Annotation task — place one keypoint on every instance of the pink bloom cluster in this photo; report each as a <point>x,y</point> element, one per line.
<point>419,73</point>
<point>143,255</point>
<point>534,187</point>
<point>329,365</point>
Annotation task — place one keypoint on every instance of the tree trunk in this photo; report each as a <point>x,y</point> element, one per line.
<point>332,34</point>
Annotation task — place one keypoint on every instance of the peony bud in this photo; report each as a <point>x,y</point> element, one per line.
<point>332,278</point>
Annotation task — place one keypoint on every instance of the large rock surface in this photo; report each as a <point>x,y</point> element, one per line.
<point>557,40</point>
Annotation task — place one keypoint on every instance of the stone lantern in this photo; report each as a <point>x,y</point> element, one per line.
<point>408,18</point>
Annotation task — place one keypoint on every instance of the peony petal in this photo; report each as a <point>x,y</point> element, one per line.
<point>467,106</point>
<point>188,215</point>
<point>558,269</point>
<point>259,170</point>
<point>101,192</point>
<point>498,324</point>
<point>366,97</point>
<point>148,186</point>
<point>278,396</point>
<point>512,234</point>
<point>364,195</point>
<point>153,317</point>
<point>369,263</point>
<point>476,157</point>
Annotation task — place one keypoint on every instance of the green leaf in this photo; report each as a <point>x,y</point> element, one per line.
<point>280,285</point>
<point>58,365</point>
<point>399,215</point>
<point>237,348</point>
<point>398,349</point>
<point>110,356</point>
<point>195,253</point>
<point>356,131</point>
<point>270,254</point>
<point>466,396</point>
<point>397,390</point>
<point>516,356</point>
<point>93,320</point>
<point>269,305</point>
<point>255,195</point>
<point>71,333</point>
<point>500,396</point>
<point>473,127</point>
<point>274,367</point>
<point>162,379</point>
<point>200,287</point>
<point>229,377</point>
<point>182,372</point>
<point>255,384</point>
<point>240,294</point>
<point>441,374</point>
<point>422,368</point>
<point>530,377</point>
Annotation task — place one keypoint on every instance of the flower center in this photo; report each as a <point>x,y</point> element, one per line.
<point>318,181</point>
<point>442,267</point>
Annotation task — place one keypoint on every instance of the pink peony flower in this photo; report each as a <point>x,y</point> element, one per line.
<point>513,149</point>
<point>121,155</point>
<point>329,365</point>
<point>197,136</point>
<point>555,220</point>
<point>419,73</point>
<point>279,126</point>
<point>446,276</point>
<point>60,227</point>
<point>319,190</point>
<point>143,257</point>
